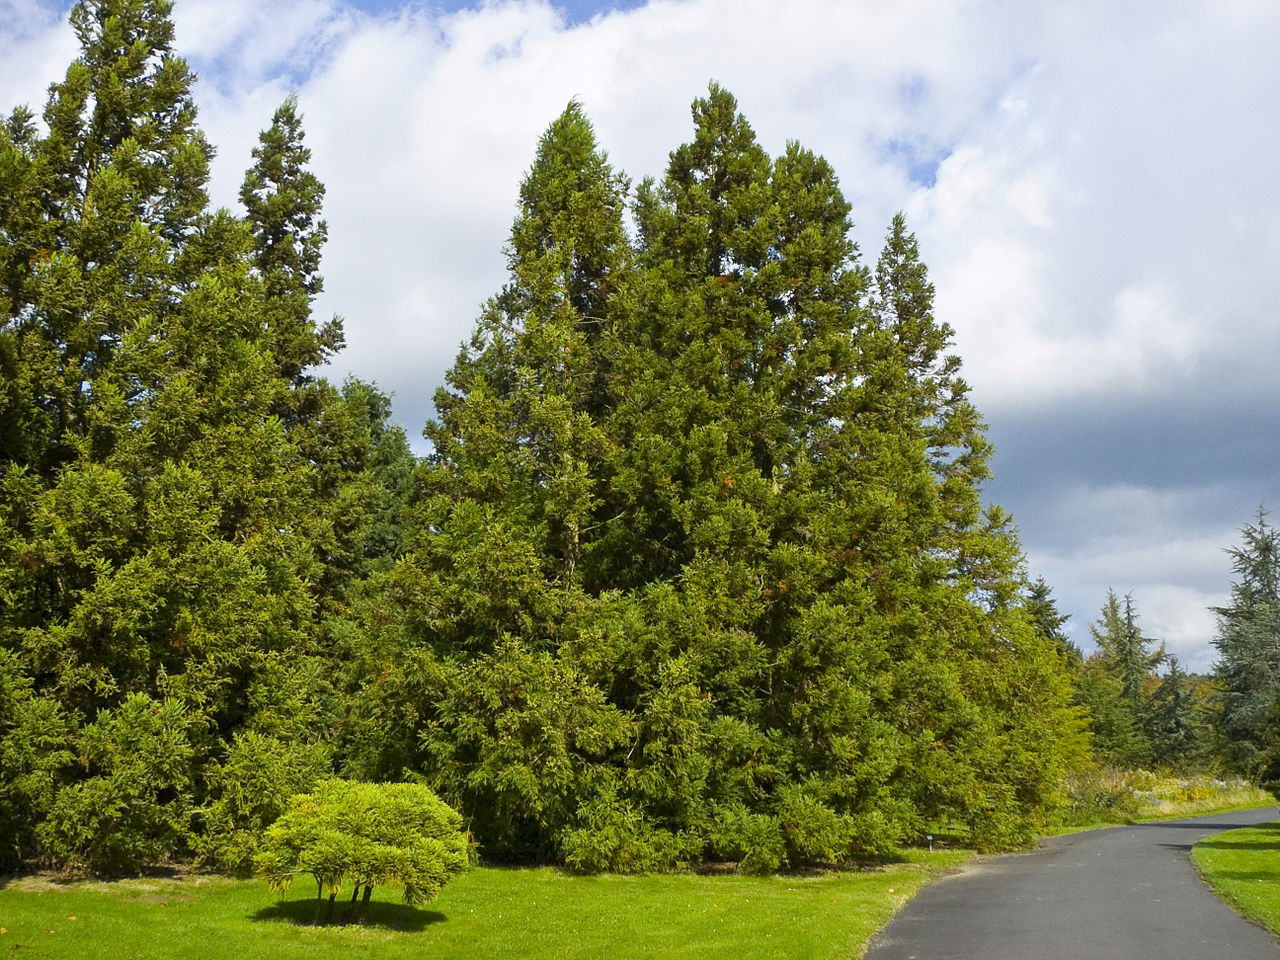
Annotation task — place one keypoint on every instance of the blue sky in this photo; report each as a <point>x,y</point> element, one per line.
<point>1093,185</point>
<point>575,11</point>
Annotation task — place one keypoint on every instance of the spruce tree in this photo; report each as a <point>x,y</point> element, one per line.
<point>1043,611</point>
<point>1178,731</point>
<point>1114,687</point>
<point>1126,651</point>
<point>1248,643</point>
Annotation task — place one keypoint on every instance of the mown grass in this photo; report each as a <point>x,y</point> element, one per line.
<point>487,913</point>
<point>1243,867</point>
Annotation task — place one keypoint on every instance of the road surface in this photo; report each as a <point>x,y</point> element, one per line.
<point>1124,893</point>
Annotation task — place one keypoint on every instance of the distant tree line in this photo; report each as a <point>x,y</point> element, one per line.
<point>698,566</point>
<point>1143,710</point>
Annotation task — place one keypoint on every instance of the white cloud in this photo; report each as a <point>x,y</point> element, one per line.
<point>35,47</point>
<point>1102,224</point>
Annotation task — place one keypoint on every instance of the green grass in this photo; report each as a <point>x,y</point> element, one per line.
<point>487,913</point>
<point>1243,867</point>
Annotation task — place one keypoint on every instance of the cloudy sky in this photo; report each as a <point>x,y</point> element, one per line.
<point>1094,186</point>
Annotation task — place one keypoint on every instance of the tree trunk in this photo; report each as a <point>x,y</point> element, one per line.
<point>332,897</point>
<point>364,903</point>
<point>351,907</point>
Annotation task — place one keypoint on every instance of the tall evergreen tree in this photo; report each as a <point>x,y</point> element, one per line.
<point>159,557</point>
<point>730,610</point>
<point>120,181</point>
<point>495,690</point>
<point>1114,686</point>
<point>1042,608</point>
<point>1127,653</point>
<point>1248,643</point>
<point>1177,727</point>
<point>282,200</point>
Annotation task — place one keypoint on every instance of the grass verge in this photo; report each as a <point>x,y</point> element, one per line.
<point>1243,868</point>
<point>489,913</point>
<point>1105,796</point>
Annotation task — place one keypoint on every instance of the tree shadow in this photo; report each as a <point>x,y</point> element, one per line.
<point>1194,825</point>
<point>1241,845</point>
<point>386,916</point>
<point>1245,875</point>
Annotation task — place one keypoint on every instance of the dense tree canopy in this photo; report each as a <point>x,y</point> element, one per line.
<point>698,565</point>
<point>165,538</point>
<point>1136,717</point>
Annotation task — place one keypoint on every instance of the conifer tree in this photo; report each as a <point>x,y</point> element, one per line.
<point>1248,643</point>
<point>1178,732</point>
<point>1042,608</point>
<point>732,609</point>
<point>1114,685</point>
<point>487,666</point>
<point>282,200</point>
<point>120,181</point>
<point>159,551</point>
<point>1126,651</point>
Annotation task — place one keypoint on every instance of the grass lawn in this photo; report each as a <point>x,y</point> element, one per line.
<point>1243,866</point>
<point>487,913</point>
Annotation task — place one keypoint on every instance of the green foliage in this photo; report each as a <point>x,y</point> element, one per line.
<point>1136,718</point>
<point>367,833</point>
<point>1180,723</point>
<point>35,749</point>
<point>132,808</point>
<point>251,789</point>
<point>1248,669</point>
<point>1043,611</point>
<point>185,505</point>
<point>699,565</point>
<point>1125,652</point>
<point>1114,731</point>
<point>1113,686</point>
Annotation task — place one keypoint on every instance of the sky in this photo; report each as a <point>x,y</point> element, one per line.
<point>1093,185</point>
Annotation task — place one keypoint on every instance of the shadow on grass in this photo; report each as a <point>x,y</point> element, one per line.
<point>385,916</point>
<point>1241,844</point>
<point>1270,875</point>
<point>1194,823</point>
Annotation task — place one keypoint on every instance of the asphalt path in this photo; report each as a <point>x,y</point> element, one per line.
<point>1128,893</point>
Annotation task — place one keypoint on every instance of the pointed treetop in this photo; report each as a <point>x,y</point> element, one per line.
<point>716,185</point>
<point>127,101</point>
<point>571,210</point>
<point>282,199</point>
